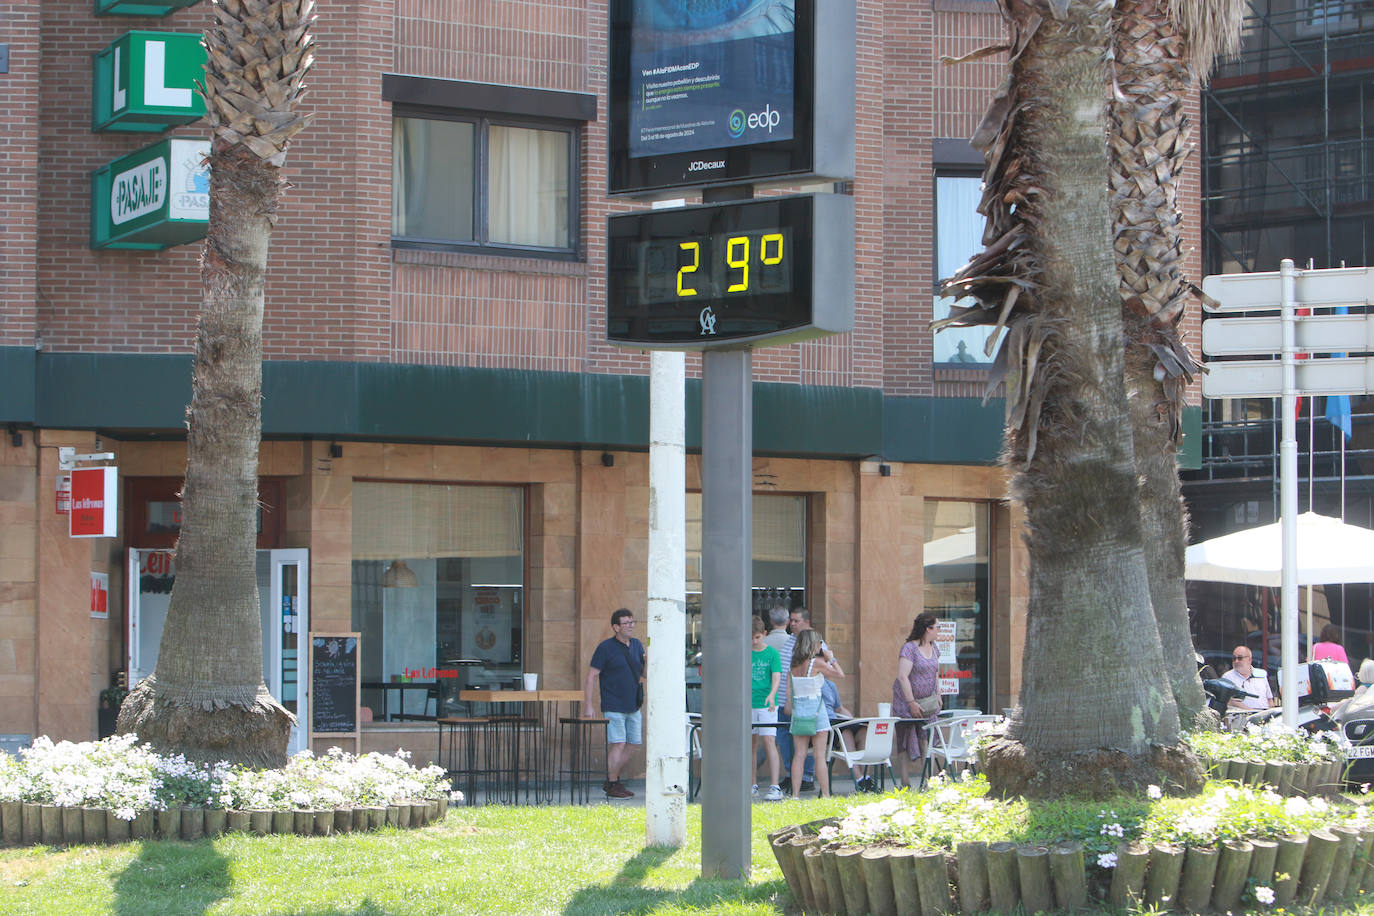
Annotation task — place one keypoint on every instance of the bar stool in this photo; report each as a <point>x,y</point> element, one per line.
<point>576,746</point>
<point>508,737</point>
<point>470,729</point>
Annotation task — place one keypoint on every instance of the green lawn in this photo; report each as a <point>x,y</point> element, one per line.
<point>479,860</point>
<point>493,860</point>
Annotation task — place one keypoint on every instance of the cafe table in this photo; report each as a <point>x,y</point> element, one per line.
<point>401,687</point>
<point>513,749</point>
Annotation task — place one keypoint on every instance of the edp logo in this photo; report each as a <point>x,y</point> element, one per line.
<point>768,118</point>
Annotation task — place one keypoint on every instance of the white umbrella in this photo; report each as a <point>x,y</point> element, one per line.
<point>1329,551</point>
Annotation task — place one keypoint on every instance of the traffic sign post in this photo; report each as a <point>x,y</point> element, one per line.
<point>1286,290</point>
<point>1311,288</point>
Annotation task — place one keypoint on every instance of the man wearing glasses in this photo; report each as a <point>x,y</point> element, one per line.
<point>619,664</point>
<point>1250,679</point>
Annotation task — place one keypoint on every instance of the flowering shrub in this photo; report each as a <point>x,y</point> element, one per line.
<point>951,812</point>
<point>947,813</point>
<point>1271,741</point>
<point>125,777</point>
<point>1230,812</point>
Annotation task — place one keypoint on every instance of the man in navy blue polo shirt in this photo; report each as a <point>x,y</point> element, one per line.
<point>619,664</point>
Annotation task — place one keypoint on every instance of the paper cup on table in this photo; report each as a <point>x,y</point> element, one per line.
<point>884,710</point>
<point>531,682</point>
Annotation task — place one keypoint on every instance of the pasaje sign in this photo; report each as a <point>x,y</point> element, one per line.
<point>145,81</point>
<point>154,198</point>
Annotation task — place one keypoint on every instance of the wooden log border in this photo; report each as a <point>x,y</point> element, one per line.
<point>30,824</point>
<point>1330,865</point>
<point>1284,777</point>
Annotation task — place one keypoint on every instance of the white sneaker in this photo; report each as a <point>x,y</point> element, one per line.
<point>754,792</point>
<point>774,794</point>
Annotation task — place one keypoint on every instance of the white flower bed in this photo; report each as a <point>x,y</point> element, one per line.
<point>124,777</point>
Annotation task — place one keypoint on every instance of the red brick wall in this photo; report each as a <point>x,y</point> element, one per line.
<point>19,173</point>
<point>336,290</point>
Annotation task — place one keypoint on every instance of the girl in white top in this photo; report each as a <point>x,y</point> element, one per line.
<point>809,662</point>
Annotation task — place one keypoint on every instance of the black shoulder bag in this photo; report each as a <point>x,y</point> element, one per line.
<point>638,672</point>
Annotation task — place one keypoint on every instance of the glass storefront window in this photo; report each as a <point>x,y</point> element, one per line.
<point>438,594</point>
<point>779,568</point>
<point>957,589</point>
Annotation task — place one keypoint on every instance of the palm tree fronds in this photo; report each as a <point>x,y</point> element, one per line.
<point>259,52</point>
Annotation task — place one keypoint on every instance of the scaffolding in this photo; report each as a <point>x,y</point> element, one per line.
<point>1288,156</point>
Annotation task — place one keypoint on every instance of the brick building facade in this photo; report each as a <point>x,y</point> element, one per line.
<point>484,371</point>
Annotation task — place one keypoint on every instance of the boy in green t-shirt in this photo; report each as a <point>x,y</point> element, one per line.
<point>766,674</point>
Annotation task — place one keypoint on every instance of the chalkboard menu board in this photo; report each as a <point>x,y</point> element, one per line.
<point>334,683</point>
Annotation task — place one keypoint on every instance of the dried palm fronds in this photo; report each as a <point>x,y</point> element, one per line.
<point>259,54</point>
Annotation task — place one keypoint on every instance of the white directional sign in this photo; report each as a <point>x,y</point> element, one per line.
<point>1313,289</point>
<point>1315,333</point>
<point>1250,378</point>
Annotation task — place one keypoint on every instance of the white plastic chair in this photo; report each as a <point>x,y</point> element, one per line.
<point>947,744</point>
<point>877,749</point>
<point>959,713</point>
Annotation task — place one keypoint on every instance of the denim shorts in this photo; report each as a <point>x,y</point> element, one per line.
<point>624,727</point>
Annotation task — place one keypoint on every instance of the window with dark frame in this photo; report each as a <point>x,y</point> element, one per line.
<point>958,236</point>
<point>494,184</point>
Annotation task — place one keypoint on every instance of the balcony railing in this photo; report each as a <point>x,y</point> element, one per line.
<point>1248,450</point>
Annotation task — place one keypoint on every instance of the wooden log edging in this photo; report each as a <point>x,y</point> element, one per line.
<point>30,824</point>
<point>1329,864</point>
<point>1284,777</point>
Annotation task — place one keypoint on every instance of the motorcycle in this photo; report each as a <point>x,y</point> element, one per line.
<point>1315,695</point>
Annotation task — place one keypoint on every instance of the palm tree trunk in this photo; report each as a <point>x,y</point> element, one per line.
<point>1095,716</point>
<point>1150,132</point>
<point>206,698</point>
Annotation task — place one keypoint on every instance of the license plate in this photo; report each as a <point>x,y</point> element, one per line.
<point>1360,752</point>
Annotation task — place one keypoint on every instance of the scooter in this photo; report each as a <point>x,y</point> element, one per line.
<point>1314,715</point>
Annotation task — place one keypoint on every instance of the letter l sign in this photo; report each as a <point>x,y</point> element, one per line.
<point>120,95</point>
<point>155,89</point>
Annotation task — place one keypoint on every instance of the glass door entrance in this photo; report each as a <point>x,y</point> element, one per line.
<point>283,598</point>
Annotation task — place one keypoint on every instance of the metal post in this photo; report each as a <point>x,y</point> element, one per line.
<point>665,789</point>
<point>727,445</point>
<point>1288,496</point>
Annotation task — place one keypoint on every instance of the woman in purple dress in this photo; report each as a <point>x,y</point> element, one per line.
<point>918,667</point>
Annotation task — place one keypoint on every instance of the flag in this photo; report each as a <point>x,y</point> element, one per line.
<point>1338,406</point>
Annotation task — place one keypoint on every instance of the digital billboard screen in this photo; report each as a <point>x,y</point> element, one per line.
<point>717,92</point>
<point>710,74</point>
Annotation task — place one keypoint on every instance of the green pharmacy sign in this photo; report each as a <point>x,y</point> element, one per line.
<point>155,198</point>
<point>145,81</point>
<point>140,7</point>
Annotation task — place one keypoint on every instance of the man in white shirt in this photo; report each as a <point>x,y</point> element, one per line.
<point>1250,679</point>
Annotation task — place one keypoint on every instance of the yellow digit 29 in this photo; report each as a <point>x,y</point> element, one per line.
<point>737,256</point>
<point>695,249</point>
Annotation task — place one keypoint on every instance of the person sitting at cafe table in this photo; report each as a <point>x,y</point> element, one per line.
<point>1250,679</point>
<point>618,663</point>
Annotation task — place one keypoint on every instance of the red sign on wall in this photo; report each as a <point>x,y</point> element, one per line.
<point>100,595</point>
<point>95,500</point>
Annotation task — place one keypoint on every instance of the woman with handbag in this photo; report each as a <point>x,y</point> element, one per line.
<point>916,691</point>
<point>810,726</point>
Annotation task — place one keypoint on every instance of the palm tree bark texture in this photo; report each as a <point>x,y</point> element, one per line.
<point>206,697</point>
<point>1149,143</point>
<point>1158,50</point>
<point>1096,716</point>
